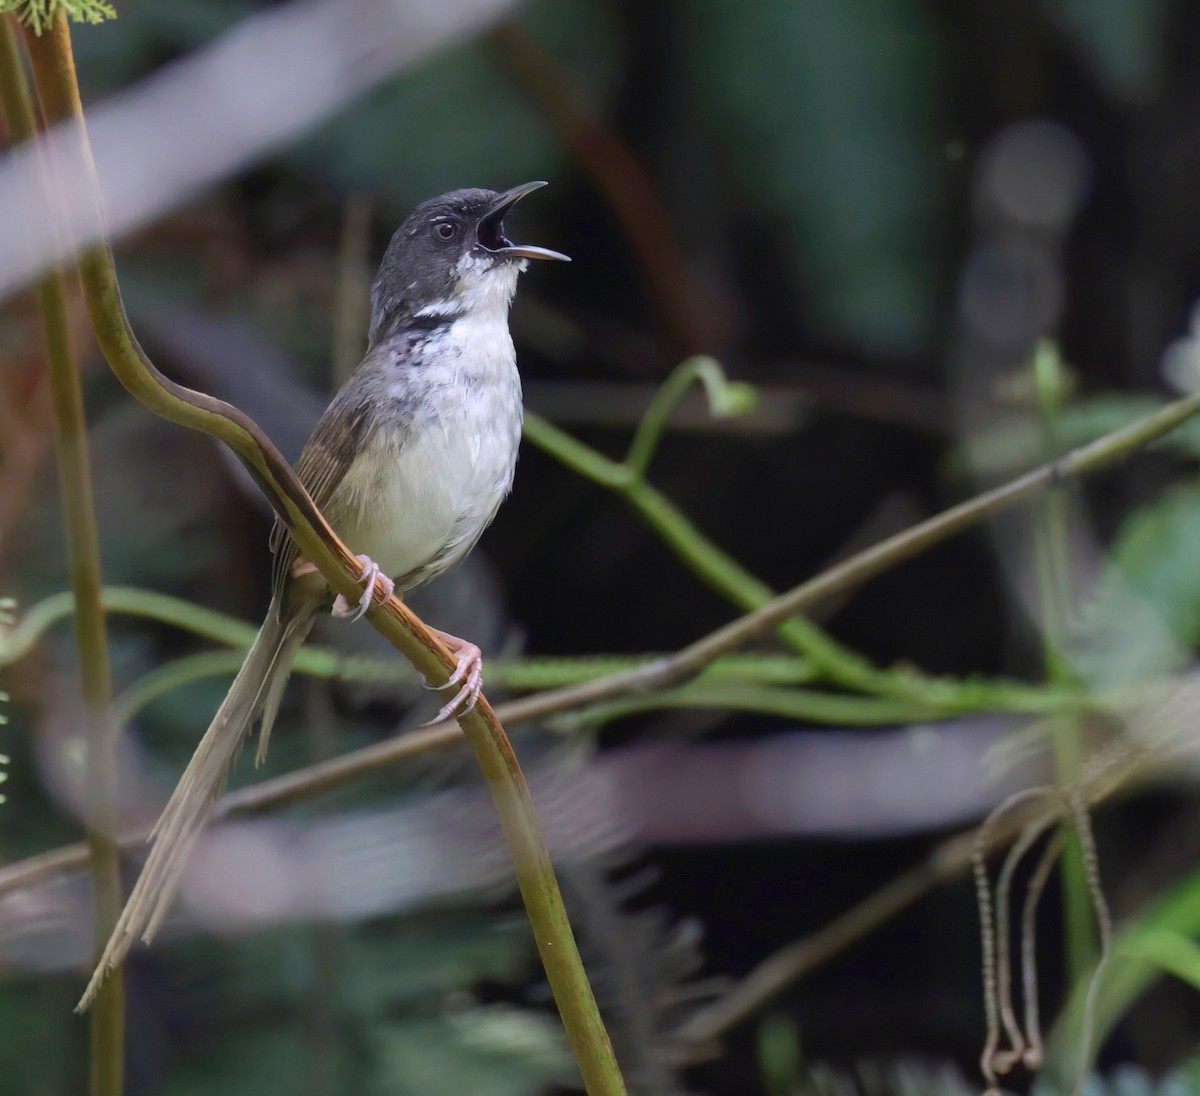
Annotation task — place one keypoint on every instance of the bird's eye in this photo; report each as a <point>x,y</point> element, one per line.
<point>445,230</point>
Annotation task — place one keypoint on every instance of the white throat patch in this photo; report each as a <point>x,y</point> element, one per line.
<point>485,286</point>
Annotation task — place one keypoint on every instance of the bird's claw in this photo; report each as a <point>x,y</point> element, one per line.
<point>468,670</point>
<point>374,578</point>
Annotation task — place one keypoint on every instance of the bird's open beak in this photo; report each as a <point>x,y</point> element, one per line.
<point>491,230</point>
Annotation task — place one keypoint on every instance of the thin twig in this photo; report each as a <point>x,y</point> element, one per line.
<point>792,962</point>
<point>107,1023</point>
<point>990,1062</point>
<point>1004,1061</point>
<point>1035,1047</point>
<point>1091,867</point>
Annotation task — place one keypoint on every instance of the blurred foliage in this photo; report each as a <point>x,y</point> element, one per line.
<point>831,128</point>
<point>1121,41</point>
<point>459,116</point>
<point>814,158</point>
<point>39,14</point>
<point>1143,617</point>
<point>395,1012</point>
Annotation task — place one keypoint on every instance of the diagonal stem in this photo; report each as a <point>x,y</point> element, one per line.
<point>54,71</point>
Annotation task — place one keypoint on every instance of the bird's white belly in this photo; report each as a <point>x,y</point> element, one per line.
<point>426,492</point>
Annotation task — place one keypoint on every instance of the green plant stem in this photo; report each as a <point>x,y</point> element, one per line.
<point>54,71</point>
<point>19,639</point>
<point>725,398</point>
<point>718,570</point>
<point>107,1023</point>
<point>1052,558</point>
<point>809,705</point>
<point>730,681</point>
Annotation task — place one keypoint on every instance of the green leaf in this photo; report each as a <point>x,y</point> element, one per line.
<point>1144,615</point>
<point>500,1051</point>
<point>1128,976</point>
<point>39,14</point>
<point>1172,951</point>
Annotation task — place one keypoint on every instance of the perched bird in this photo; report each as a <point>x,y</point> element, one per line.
<point>409,464</point>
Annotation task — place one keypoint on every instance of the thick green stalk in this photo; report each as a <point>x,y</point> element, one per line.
<point>107,1023</point>
<point>54,70</point>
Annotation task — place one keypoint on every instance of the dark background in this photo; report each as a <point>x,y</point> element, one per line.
<point>871,210</point>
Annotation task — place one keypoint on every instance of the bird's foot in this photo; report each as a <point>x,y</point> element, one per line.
<point>375,580</point>
<point>468,674</point>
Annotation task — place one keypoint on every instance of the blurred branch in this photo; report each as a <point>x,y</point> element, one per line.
<point>619,177</point>
<point>78,508</point>
<point>948,861</point>
<point>796,960</point>
<point>352,290</point>
<point>54,72</point>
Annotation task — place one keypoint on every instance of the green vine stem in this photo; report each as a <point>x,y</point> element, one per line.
<point>18,637</point>
<point>741,671</point>
<point>718,570</point>
<point>106,1052</point>
<point>1052,568</point>
<point>726,399</point>
<point>54,71</point>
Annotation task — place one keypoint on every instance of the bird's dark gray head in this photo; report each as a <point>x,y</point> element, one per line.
<point>450,257</point>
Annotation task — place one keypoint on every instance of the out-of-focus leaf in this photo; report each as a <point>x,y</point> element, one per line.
<point>1172,951</point>
<point>458,119</point>
<point>1144,615</point>
<point>499,1051</point>
<point>1121,40</point>
<point>825,110</point>
<point>1017,444</point>
<point>40,1056</point>
<point>1125,980</point>
<point>249,1060</point>
<point>413,960</point>
<point>428,956</point>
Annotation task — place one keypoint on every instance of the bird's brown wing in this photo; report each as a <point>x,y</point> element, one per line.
<point>326,458</point>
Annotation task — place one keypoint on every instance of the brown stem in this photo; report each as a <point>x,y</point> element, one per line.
<point>107,1023</point>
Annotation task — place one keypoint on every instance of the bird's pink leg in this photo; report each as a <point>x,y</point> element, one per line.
<point>468,661</point>
<point>375,579</point>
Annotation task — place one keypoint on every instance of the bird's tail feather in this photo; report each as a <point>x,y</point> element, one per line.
<point>257,688</point>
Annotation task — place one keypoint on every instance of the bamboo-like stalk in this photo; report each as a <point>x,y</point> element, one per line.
<point>106,1051</point>
<point>54,72</point>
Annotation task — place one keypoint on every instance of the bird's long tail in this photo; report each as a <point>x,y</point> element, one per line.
<point>257,689</point>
